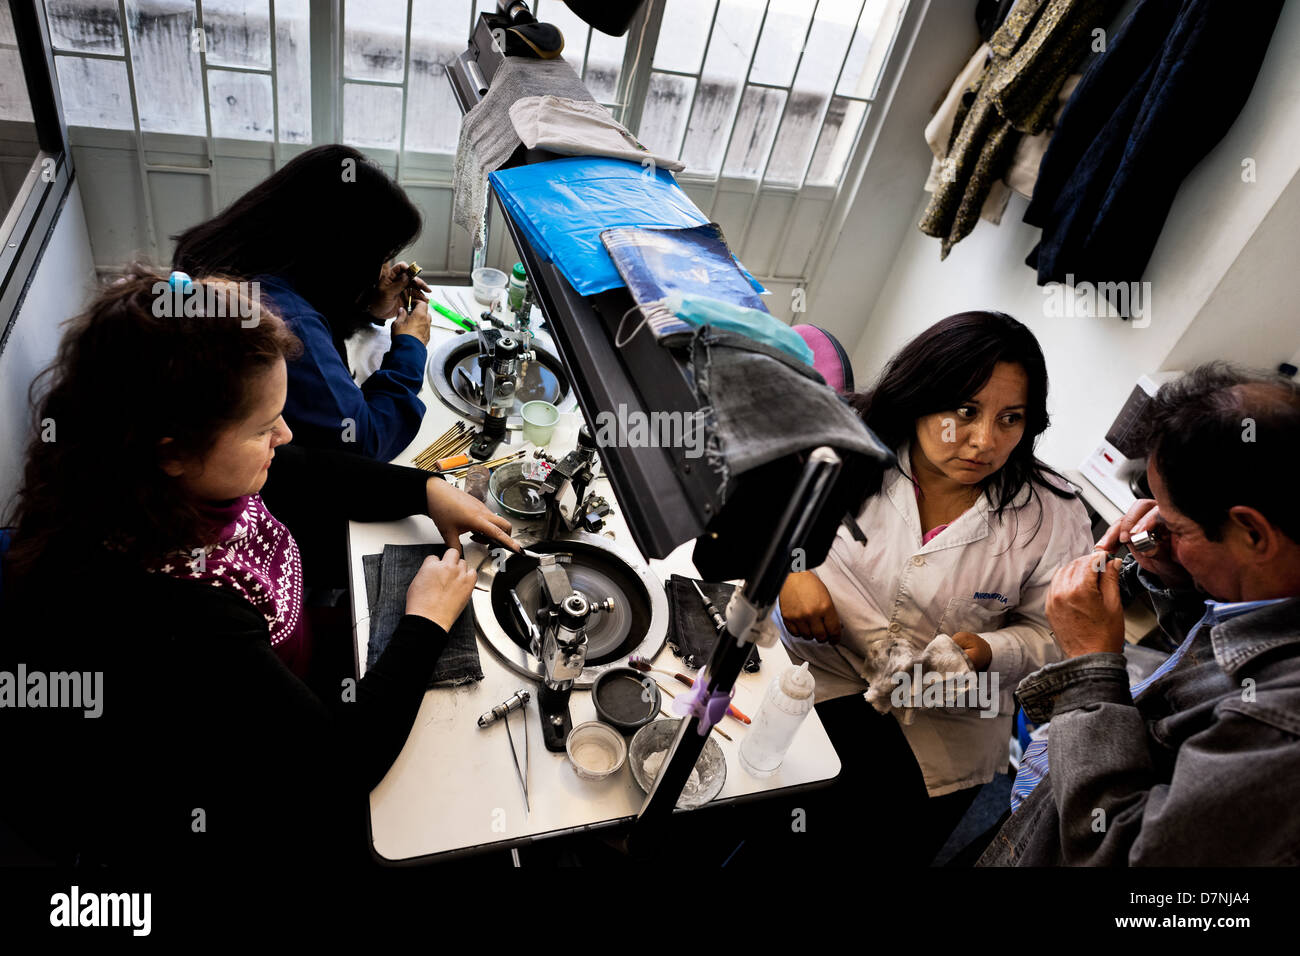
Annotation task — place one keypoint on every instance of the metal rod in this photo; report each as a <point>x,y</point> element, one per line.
<point>776,132</point>
<point>275,96</point>
<point>168,168</point>
<point>760,591</point>
<point>830,98</point>
<point>821,130</point>
<point>586,54</point>
<point>406,75</point>
<point>369,81</point>
<point>207,103</point>
<point>150,230</point>
<point>699,76</point>
<point>256,70</point>
<point>340,47</point>
<point>323,30</point>
<point>731,126</point>
<point>634,81</point>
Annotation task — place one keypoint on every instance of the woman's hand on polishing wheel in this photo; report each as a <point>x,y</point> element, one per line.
<point>456,513</point>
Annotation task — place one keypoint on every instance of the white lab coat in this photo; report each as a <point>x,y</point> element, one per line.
<point>980,574</point>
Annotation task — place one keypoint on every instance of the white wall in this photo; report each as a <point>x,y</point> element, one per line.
<point>62,285</point>
<point>1220,276</point>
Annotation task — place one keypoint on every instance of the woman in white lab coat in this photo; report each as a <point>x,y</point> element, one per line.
<point>958,541</point>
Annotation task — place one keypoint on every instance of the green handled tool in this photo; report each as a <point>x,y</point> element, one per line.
<point>467,324</point>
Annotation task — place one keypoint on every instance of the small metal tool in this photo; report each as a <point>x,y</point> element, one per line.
<point>514,702</point>
<point>502,712</point>
<point>752,662</point>
<point>529,625</point>
<point>718,621</point>
<point>412,271</point>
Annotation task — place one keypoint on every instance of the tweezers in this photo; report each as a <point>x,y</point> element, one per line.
<point>522,774</point>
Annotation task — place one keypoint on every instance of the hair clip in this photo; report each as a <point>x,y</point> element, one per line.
<point>181,279</point>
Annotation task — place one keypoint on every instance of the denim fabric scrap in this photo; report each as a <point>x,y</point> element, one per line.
<point>758,405</point>
<point>387,578</point>
<point>691,631</point>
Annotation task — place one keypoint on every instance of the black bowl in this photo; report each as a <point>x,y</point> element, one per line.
<point>626,699</point>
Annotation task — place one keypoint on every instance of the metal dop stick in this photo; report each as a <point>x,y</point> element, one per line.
<point>513,702</point>
<point>501,712</point>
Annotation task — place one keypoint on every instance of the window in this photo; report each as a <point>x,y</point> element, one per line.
<point>758,98</point>
<point>769,90</point>
<point>35,171</point>
<point>179,62</point>
<point>392,100</point>
<point>20,145</point>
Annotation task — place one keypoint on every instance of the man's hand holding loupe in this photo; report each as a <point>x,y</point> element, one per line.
<point>1148,538</point>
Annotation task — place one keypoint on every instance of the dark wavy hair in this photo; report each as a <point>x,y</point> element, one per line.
<point>944,367</point>
<point>124,378</point>
<point>326,223</point>
<point>1224,436</point>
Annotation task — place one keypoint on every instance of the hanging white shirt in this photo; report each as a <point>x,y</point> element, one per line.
<point>981,574</point>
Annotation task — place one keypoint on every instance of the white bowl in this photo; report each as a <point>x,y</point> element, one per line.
<point>596,750</point>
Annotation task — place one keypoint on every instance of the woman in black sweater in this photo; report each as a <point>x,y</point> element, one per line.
<point>145,560</point>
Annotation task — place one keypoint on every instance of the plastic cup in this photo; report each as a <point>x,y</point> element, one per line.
<point>489,283</point>
<point>540,419</point>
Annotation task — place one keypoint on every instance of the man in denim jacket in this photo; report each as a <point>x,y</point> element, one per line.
<point>1197,765</point>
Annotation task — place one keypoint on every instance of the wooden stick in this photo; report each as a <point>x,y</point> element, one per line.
<point>433,454</point>
<point>453,433</point>
<point>489,464</point>
<point>442,442</point>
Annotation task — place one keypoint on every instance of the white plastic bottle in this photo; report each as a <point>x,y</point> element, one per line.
<point>787,702</point>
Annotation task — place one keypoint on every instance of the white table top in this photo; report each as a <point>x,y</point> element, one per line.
<point>454,785</point>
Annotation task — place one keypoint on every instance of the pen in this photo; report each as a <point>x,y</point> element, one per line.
<point>466,324</point>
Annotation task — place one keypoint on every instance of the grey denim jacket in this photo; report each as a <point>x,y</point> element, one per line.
<point>1202,770</point>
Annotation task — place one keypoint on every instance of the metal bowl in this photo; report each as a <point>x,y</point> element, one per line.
<point>655,739</point>
<point>516,487</point>
<point>544,379</point>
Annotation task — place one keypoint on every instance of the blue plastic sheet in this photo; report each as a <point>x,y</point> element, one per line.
<point>564,205</point>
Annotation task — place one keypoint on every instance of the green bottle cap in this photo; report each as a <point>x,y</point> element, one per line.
<point>519,272</point>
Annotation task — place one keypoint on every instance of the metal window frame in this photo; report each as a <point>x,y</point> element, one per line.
<point>34,212</point>
<point>755,188</point>
<point>328,78</point>
<point>761,181</point>
<point>143,166</point>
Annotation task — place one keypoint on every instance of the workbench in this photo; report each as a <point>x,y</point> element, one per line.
<point>453,789</point>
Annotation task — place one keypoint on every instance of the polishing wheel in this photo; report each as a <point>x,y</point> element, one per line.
<point>638,624</point>
<point>455,375</point>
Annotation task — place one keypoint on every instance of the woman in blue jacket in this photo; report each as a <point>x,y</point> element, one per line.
<point>319,237</point>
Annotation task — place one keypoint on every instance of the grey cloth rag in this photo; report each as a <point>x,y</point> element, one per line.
<point>759,405</point>
<point>941,660</point>
<point>579,128</point>
<point>387,578</point>
<point>487,135</point>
